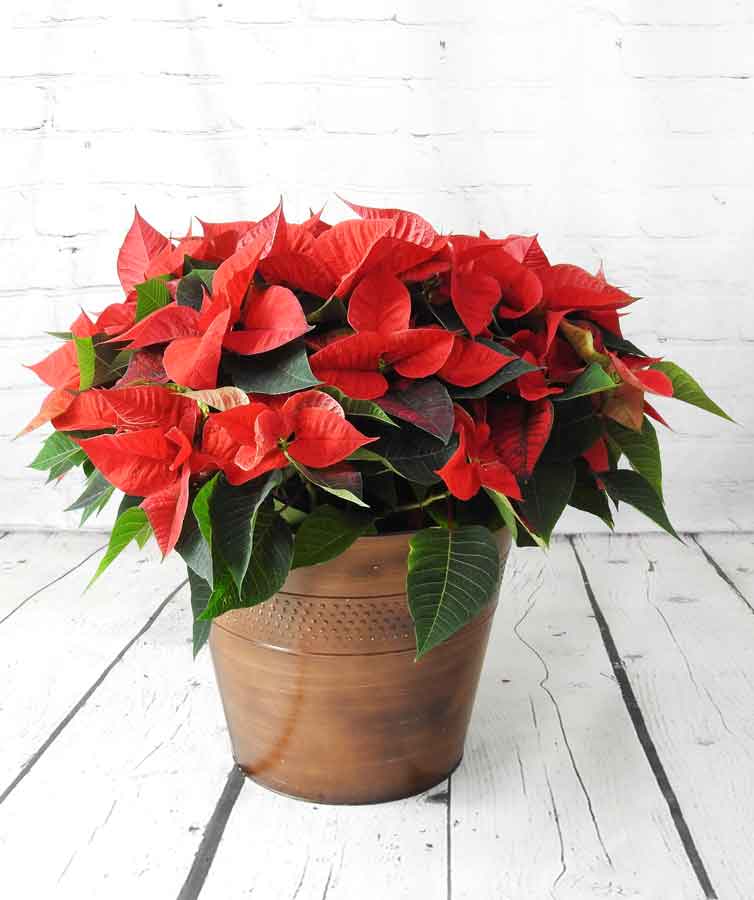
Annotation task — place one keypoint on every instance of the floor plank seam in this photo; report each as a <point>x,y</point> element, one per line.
<point>645,739</point>
<point>56,732</point>
<point>51,583</point>
<point>448,840</point>
<point>213,833</point>
<point>721,572</point>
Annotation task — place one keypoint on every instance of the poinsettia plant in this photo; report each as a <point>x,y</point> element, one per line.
<point>268,392</point>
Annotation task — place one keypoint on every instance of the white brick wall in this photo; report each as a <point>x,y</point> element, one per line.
<point>621,130</point>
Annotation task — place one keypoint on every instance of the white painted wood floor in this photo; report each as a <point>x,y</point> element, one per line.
<point>611,752</point>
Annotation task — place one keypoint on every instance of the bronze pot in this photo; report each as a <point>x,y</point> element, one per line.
<point>321,693</point>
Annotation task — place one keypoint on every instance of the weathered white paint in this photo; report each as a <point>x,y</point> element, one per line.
<point>117,805</point>
<point>554,781</point>
<point>277,848</point>
<point>620,130</point>
<point>56,645</point>
<point>685,639</point>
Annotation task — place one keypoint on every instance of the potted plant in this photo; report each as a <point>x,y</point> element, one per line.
<point>340,429</point>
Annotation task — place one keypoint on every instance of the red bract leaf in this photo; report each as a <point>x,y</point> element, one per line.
<point>149,406</point>
<point>166,510</point>
<point>597,456</point>
<point>137,463</point>
<point>496,475</point>
<point>533,386</point>
<point>474,296</point>
<point>298,271</point>
<point>215,229</point>
<point>142,244</point>
<point>651,380</point>
<point>117,317</point>
<point>161,326</point>
<point>60,369</point>
<point>89,411</point>
<point>653,414</point>
<point>272,317</point>
<point>53,405</point>
<point>143,366</point>
<point>233,277</point>
<point>526,250</point>
<point>407,226</point>
<point>463,479</point>
<point>352,364</point>
<point>311,400</point>
<point>470,363</point>
<point>418,352</point>
<point>222,398</point>
<point>170,260</point>
<point>314,223</point>
<point>570,287</point>
<point>520,287</point>
<point>194,361</point>
<point>380,302</point>
<point>342,248</point>
<point>519,433</point>
<point>270,230</point>
<point>323,438</point>
<point>83,326</point>
<point>625,405</point>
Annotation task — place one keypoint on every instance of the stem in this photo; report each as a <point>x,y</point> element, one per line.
<point>420,504</point>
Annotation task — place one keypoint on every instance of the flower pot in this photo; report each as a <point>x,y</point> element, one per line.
<point>322,696</point>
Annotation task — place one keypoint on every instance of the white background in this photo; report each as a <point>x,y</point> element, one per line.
<point>620,130</point>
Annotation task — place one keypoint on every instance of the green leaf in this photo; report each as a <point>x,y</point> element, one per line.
<point>574,430</point>
<point>200,594</point>
<point>591,381</point>
<point>413,453</point>
<point>506,510</point>
<point>131,525</point>
<point>508,373</point>
<point>587,497</point>
<point>452,575</point>
<point>94,497</point>
<point>616,342</point>
<point>641,450</point>
<point>190,291</point>
<point>195,542</point>
<point>128,502</point>
<point>58,455</point>
<point>232,512</point>
<point>634,489</point>
<point>326,533</point>
<point>151,295</point>
<point>87,360</point>
<point>688,389</point>
<point>275,372</point>
<point>61,335</point>
<point>340,481</point>
<point>271,557</point>
<point>332,310</point>
<point>546,495</point>
<point>351,407</point>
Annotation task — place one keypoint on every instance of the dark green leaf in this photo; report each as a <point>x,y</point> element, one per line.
<point>452,575</point>
<point>131,525</point>
<point>588,497</point>
<point>340,481</point>
<point>351,407</point>
<point>641,450</point>
<point>61,335</point>
<point>574,430</point>
<point>271,557</point>
<point>619,344</point>
<point>275,372</point>
<point>128,502</point>
<point>190,291</point>
<point>195,542</point>
<point>426,404</point>
<point>231,513</point>
<point>688,389</point>
<point>326,533</point>
<point>94,497</point>
<point>331,311</point>
<point>413,453</point>
<point>151,295</point>
<point>591,381</point>
<point>58,455</point>
<point>546,495</point>
<point>632,488</point>
<point>200,594</point>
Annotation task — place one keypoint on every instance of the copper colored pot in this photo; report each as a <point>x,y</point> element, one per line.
<point>321,693</point>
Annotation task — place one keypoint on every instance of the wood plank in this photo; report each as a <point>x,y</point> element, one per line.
<point>732,557</point>
<point>686,638</point>
<point>276,848</point>
<point>29,562</point>
<point>117,805</point>
<point>555,796</point>
<point>60,641</point>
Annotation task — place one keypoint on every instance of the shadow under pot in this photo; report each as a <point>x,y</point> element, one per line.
<point>322,696</point>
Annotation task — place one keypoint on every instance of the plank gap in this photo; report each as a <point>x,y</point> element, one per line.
<point>722,573</point>
<point>205,854</point>
<point>644,737</point>
<point>55,733</point>
<point>49,583</point>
